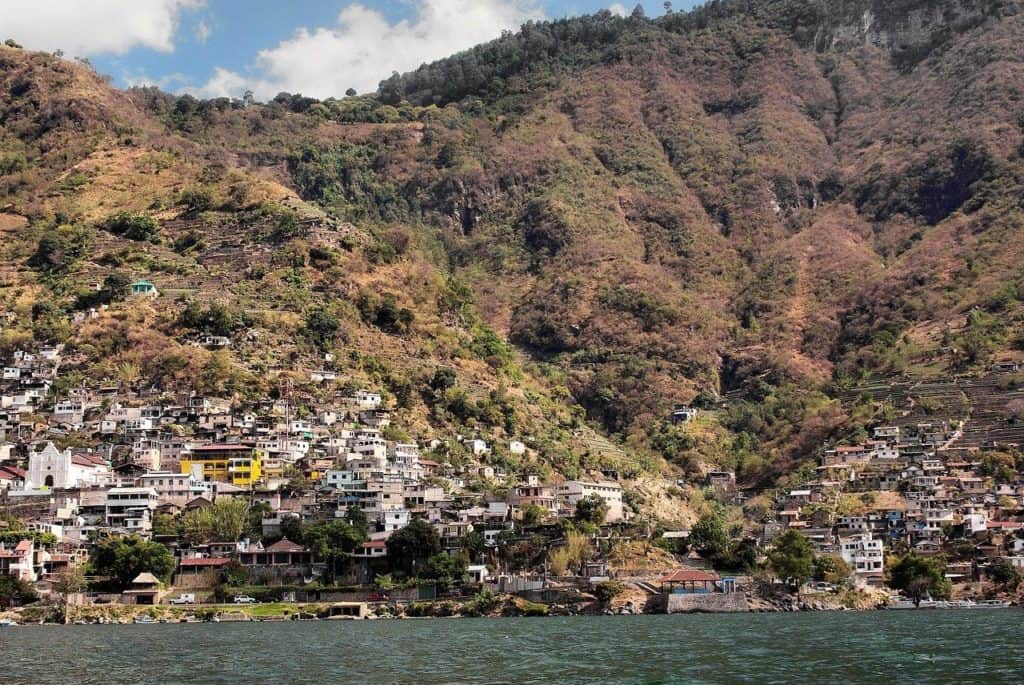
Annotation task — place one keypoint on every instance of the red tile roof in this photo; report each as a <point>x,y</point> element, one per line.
<point>285,545</point>
<point>690,575</point>
<point>87,460</point>
<point>11,473</point>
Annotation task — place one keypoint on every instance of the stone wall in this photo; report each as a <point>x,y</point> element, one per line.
<point>707,604</point>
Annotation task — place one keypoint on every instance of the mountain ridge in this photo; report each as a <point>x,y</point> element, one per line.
<point>765,199</point>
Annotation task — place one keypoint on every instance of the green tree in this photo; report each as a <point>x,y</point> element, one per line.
<point>14,590</point>
<point>832,569</point>
<point>333,542</point>
<point>321,328</point>
<point>792,558</point>
<point>116,286</point>
<point>442,380</point>
<point>592,509</point>
<point>61,247</point>
<point>918,577</point>
<point>1005,574</point>
<point>708,536</point>
<point>124,558</point>
<point>608,590</point>
<point>297,482</point>
<point>532,515</point>
<point>474,544</point>
<point>356,518</point>
<point>447,569</point>
<point>133,226</point>
<point>166,525</point>
<point>68,583</point>
<point>292,529</point>
<point>224,521</point>
<point>196,199</point>
<point>740,556</point>
<point>411,547</point>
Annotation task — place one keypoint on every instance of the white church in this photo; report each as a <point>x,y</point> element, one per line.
<point>50,468</point>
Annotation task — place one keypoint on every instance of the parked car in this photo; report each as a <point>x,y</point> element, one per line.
<point>823,587</point>
<point>186,598</point>
<point>244,599</point>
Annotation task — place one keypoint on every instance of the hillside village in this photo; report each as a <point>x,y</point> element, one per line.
<point>721,310</point>
<point>305,497</point>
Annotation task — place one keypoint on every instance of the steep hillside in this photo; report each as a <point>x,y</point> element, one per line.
<point>588,222</point>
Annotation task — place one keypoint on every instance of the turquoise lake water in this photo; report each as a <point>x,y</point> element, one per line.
<point>973,646</point>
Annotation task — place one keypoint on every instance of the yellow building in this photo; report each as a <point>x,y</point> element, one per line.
<point>239,465</point>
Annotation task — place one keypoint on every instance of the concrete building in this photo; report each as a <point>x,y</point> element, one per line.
<point>571,492</point>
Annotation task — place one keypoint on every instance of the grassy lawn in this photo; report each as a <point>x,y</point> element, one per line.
<point>267,610</point>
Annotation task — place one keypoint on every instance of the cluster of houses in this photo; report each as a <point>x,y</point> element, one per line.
<point>908,489</point>
<point>151,456</point>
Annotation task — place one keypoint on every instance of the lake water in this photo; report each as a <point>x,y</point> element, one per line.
<point>973,646</point>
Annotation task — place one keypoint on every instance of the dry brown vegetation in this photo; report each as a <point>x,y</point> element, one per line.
<point>708,203</point>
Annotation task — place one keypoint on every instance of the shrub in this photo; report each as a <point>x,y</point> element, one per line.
<point>189,241</point>
<point>385,314</point>
<point>608,590</point>
<point>321,328</point>
<point>482,604</point>
<point>133,226</point>
<point>196,199</point>
<point>60,248</point>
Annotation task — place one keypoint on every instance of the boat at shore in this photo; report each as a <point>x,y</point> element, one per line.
<point>7,623</point>
<point>903,603</point>
<point>144,619</point>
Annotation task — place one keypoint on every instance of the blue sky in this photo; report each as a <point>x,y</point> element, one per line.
<point>317,47</point>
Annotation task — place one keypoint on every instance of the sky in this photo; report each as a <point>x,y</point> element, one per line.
<point>320,48</point>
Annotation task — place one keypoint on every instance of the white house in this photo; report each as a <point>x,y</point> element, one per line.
<point>865,556</point>
<point>478,573</point>
<point>176,488</point>
<point>516,447</point>
<point>364,399</point>
<point>19,560</point>
<point>131,508</point>
<point>571,492</point>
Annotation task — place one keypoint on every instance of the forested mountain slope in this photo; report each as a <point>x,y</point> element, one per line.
<point>588,222</point>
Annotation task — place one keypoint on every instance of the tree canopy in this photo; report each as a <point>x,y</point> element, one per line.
<point>792,558</point>
<point>224,521</point>
<point>708,535</point>
<point>592,509</point>
<point>411,547</point>
<point>333,542</point>
<point>919,577</point>
<point>124,558</point>
<point>14,590</point>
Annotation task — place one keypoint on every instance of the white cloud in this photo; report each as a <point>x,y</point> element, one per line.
<point>169,82</point>
<point>91,27</point>
<point>203,31</point>
<point>363,48</point>
<point>618,9</point>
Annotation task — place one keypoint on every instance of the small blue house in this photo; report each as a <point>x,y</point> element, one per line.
<point>144,289</point>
